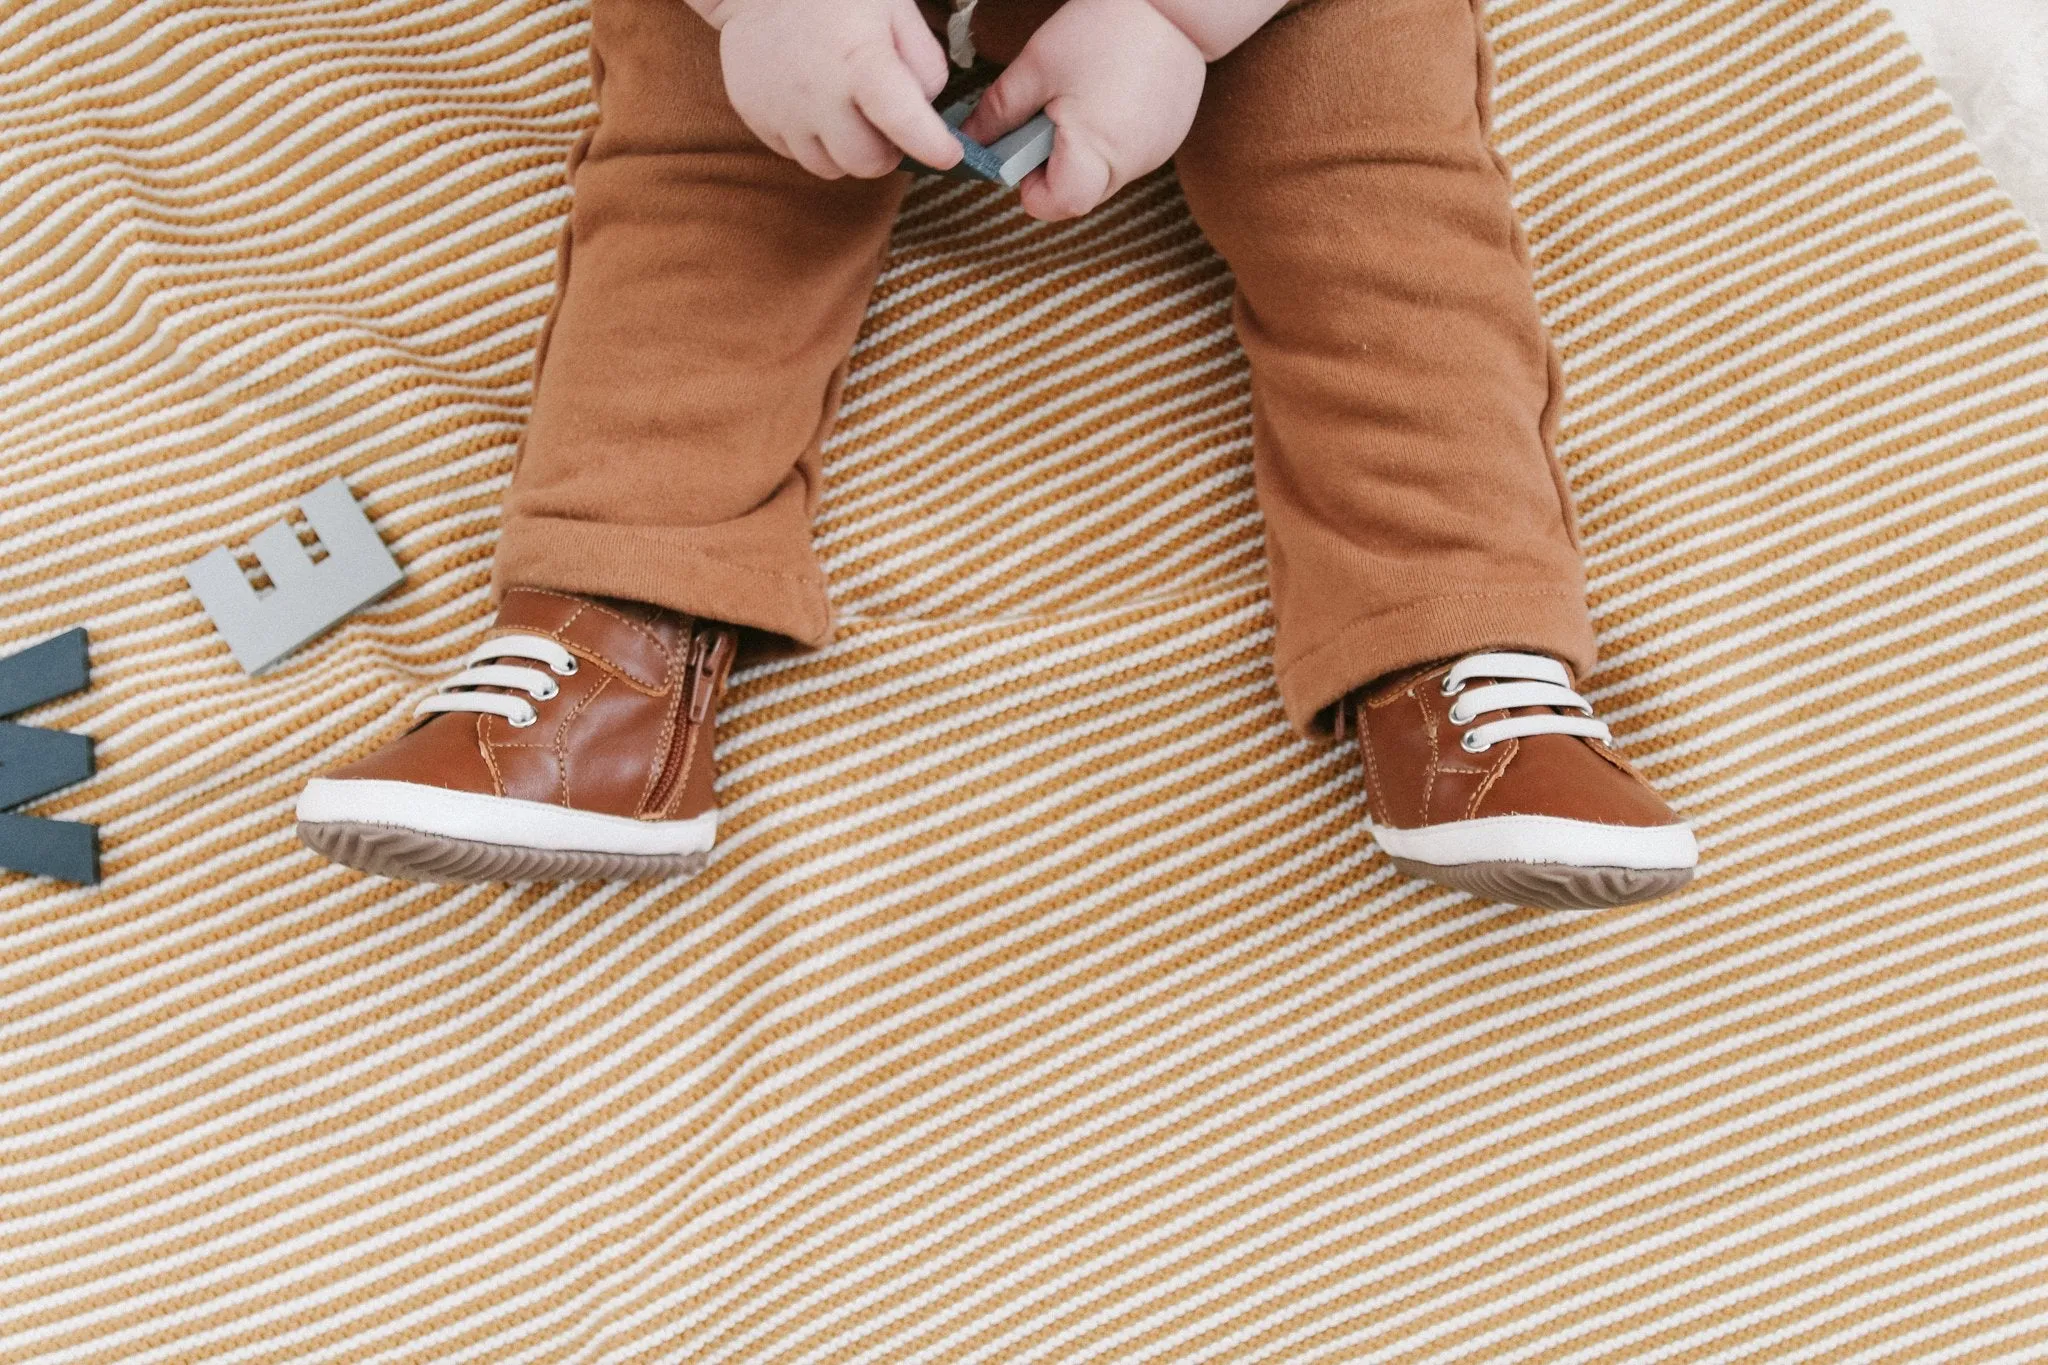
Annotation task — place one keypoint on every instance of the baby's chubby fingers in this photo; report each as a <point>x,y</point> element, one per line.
<point>1078,177</point>
<point>891,97</point>
<point>856,148</point>
<point>1120,83</point>
<point>1016,97</point>
<point>808,150</point>
<point>920,50</point>
<point>1075,182</point>
<point>842,87</point>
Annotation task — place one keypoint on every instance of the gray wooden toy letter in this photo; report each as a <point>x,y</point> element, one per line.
<point>305,598</point>
<point>36,762</point>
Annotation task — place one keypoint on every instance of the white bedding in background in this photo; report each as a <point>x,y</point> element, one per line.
<point>1991,56</point>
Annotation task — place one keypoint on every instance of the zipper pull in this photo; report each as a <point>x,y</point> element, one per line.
<point>707,658</point>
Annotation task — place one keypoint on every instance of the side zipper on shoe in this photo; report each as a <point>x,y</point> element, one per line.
<point>710,652</point>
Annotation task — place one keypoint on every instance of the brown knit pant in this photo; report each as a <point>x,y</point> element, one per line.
<point>1405,393</point>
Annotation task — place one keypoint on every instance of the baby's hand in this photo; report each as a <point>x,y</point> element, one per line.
<point>842,87</point>
<point>1121,83</point>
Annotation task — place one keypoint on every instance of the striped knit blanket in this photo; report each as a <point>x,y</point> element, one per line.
<point>1045,1001</point>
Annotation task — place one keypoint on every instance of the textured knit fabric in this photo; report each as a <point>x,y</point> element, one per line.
<point>1045,1002</point>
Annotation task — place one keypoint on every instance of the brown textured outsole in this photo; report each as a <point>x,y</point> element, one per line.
<point>409,855</point>
<point>1552,886</point>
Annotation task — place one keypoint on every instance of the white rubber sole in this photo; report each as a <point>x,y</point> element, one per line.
<point>1545,861</point>
<point>1546,839</point>
<point>421,833</point>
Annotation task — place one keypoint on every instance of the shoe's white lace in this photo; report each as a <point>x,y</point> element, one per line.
<point>1517,680</point>
<point>477,672</point>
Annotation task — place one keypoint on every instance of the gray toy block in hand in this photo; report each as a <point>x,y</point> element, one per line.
<point>1007,160</point>
<point>305,598</point>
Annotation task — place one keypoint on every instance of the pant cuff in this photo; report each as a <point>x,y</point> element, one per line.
<point>1543,621</point>
<point>663,567</point>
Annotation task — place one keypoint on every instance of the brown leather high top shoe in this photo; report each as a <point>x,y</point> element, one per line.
<point>1489,774</point>
<point>575,744</point>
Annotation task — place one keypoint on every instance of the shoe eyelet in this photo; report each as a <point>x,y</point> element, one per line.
<point>567,670</point>
<point>1465,743</point>
<point>522,722</point>
<point>1449,690</point>
<point>554,689</point>
<point>1456,718</point>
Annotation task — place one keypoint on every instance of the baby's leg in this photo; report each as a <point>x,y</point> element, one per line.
<point>1405,393</point>
<point>1427,582</point>
<point>708,294</point>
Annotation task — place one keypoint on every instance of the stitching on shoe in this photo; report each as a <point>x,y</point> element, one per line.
<point>1373,790</point>
<point>1390,698</point>
<point>637,627</point>
<point>562,733</point>
<point>484,747</point>
<point>613,664</point>
<point>668,662</point>
<point>1429,730</point>
<point>1619,760</point>
<point>1472,809</point>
